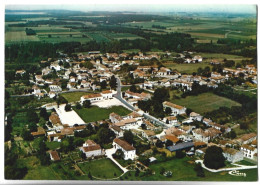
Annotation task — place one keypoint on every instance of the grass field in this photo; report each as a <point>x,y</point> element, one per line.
<point>103,168</point>
<point>205,102</point>
<point>95,113</point>
<point>19,36</point>
<point>186,68</point>
<point>52,145</point>
<point>73,96</point>
<point>182,170</point>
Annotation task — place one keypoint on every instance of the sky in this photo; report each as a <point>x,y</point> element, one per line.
<point>231,8</point>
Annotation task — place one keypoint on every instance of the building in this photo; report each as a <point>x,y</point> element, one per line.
<point>195,116</point>
<point>91,98</point>
<point>117,130</point>
<point>176,109</point>
<point>172,120</point>
<point>91,149</point>
<point>232,155</point>
<point>114,117</point>
<point>248,151</point>
<point>123,124</point>
<point>54,155</point>
<point>181,146</point>
<point>107,94</point>
<point>128,150</point>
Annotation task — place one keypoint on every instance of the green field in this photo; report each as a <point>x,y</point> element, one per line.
<point>186,68</point>
<point>103,168</point>
<point>52,145</point>
<point>95,113</point>
<point>73,96</point>
<point>205,102</point>
<point>183,170</point>
<point>99,37</point>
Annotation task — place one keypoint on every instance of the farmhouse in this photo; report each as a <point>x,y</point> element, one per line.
<point>176,109</point>
<point>128,150</point>
<point>91,149</point>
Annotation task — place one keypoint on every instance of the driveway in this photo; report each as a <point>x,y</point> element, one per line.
<point>109,153</point>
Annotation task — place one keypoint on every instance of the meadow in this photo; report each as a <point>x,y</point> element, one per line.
<point>73,96</point>
<point>205,102</point>
<point>186,68</point>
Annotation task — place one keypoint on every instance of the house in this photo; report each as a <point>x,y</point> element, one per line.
<point>123,124</point>
<point>20,72</point>
<point>141,96</point>
<point>55,120</point>
<point>36,89</point>
<point>200,135</point>
<point>56,66</point>
<point>176,109</point>
<point>107,94</point>
<point>91,98</point>
<point>91,149</point>
<point>248,151</point>
<point>40,132</point>
<point>128,150</point>
<point>195,116</point>
<point>52,94</point>
<point>54,155</point>
<point>172,138</point>
<point>206,121</point>
<point>248,138</point>
<point>148,134</point>
<point>172,120</point>
<point>232,155</point>
<point>114,117</point>
<point>117,130</point>
<point>55,88</point>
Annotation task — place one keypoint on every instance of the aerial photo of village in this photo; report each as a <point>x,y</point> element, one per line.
<point>125,94</point>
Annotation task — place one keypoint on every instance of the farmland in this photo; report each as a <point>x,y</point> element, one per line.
<point>186,68</point>
<point>207,102</point>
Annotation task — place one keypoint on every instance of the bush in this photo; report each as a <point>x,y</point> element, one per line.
<point>68,107</point>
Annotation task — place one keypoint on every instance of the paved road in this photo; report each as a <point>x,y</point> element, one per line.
<point>146,115</point>
<point>240,167</point>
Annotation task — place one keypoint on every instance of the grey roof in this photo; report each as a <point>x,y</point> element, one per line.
<point>180,146</point>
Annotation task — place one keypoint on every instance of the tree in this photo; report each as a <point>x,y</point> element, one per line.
<point>167,121</point>
<point>113,82</point>
<point>188,111</point>
<point>103,84</point>
<point>168,110</point>
<point>78,105</point>
<point>90,176</point>
<point>32,116</point>
<point>119,154</point>
<point>26,135</point>
<point>161,94</point>
<point>105,135</point>
<point>128,136</point>
<point>168,143</point>
<point>198,168</point>
<point>214,158</point>
<point>159,143</point>
<point>133,88</point>
<point>232,134</point>
<point>87,104</point>
<point>44,114</point>
<point>67,107</point>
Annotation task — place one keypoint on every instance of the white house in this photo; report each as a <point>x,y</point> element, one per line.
<point>117,130</point>
<point>195,116</point>
<point>55,88</point>
<point>91,149</point>
<point>172,120</point>
<point>55,66</point>
<point>54,155</point>
<point>107,94</point>
<point>248,151</point>
<point>91,98</point>
<point>114,117</point>
<point>176,109</point>
<point>128,150</point>
<point>232,155</point>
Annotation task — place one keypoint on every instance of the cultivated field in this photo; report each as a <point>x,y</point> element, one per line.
<point>205,102</point>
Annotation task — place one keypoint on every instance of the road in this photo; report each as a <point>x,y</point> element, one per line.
<point>146,115</point>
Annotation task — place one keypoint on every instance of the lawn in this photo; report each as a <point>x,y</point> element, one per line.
<point>73,96</point>
<point>186,68</point>
<point>103,168</point>
<point>95,113</point>
<point>183,170</point>
<point>205,102</point>
<point>52,145</point>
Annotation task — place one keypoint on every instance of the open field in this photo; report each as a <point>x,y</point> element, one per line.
<point>73,96</point>
<point>103,168</point>
<point>19,36</point>
<point>186,68</point>
<point>95,113</point>
<point>182,170</point>
<point>205,102</point>
<point>99,37</point>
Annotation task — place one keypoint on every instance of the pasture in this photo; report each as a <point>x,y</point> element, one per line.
<point>73,96</point>
<point>205,102</point>
<point>186,68</point>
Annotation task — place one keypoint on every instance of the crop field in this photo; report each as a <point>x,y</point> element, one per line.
<point>95,113</point>
<point>205,102</point>
<point>19,36</point>
<point>119,36</point>
<point>186,68</point>
<point>99,37</point>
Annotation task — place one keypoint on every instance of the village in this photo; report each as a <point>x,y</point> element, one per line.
<point>105,83</point>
